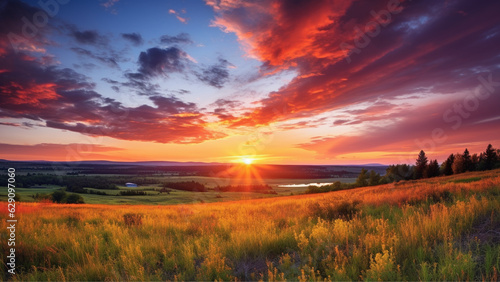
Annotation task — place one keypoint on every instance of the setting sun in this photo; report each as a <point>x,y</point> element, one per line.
<point>247,161</point>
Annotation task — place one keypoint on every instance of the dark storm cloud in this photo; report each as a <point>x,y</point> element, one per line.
<point>216,75</point>
<point>134,38</point>
<point>181,38</point>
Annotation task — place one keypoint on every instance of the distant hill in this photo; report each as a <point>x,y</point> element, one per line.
<point>166,168</point>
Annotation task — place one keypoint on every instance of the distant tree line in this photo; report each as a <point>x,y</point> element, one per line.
<point>132,193</point>
<point>73,183</point>
<point>60,197</point>
<point>246,188</point>
<point>454,164</point>
<point>423,168</point>
<point>186,186</point>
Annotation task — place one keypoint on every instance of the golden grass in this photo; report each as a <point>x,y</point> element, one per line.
<point>417,230</point>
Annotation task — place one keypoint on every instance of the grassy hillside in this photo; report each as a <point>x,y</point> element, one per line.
<point>443,228</point>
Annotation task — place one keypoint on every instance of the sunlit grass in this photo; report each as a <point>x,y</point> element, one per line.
<point>418,230</point>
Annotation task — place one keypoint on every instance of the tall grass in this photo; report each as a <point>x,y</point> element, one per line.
<point>432,230</point>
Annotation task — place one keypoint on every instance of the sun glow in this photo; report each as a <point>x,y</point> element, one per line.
<point>247,161</point>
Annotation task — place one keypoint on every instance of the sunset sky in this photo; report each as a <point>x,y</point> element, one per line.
<point>279,81</point>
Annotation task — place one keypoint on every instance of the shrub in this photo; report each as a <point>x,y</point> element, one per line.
<point>59,196</point>
<point>186,186</point>
<point>382,268</point>
<point>75,199</point>
<point>132,193</point>
<point>330,211</point>
<point>131,219</point>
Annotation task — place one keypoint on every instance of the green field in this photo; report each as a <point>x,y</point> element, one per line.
<point>179,196</point>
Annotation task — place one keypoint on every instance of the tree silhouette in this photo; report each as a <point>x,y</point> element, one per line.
<point>448,165</point>
<point>467,161</point>
<point>420,165</point>
<point>490,157</point>
<point>433,169</point>
<point>474,162</point>
<point>374,178</point>
<point>362,178</point>
<point>458,164</point>
<point>398,172</point>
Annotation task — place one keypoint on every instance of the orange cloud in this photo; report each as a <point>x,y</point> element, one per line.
<point>46,151</point>
<point>33,94</point>
<point>177,15</point>
<point>279,32</point>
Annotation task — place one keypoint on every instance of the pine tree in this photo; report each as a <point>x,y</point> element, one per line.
<point>433,169</point>
<point>362,178</point>
<point>474,162</point>
<point>481,166</point>
<point>490,157</point>
<point>420,165</point>
<point>448,165</point>
<point>374,178</point>
<point>467,160</point>
<point>399,172</point>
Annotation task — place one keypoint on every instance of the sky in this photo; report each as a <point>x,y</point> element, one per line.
<point>276,81</point>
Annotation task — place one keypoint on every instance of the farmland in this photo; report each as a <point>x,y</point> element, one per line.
<point>153,197</point>
<point>443,228</point>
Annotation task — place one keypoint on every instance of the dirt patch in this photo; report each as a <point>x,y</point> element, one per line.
<point>486,229</point>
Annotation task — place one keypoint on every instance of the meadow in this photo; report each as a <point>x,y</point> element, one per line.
<point>179,196</point>
<point>443,228</point>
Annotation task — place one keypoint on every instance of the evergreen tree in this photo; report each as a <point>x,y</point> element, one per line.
<point>362,178</point>
<point>398,172</point>
<point>374,178</point>
<point>420,165</point>
<point>448,165</point>
<point>474,162</point>
<point>490,157</point>
<point>467,161</point>
<point>482,162</point>
<point>433,169</point>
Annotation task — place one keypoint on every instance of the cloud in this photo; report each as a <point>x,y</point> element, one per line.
<point>10,124</point>
<point>158,61</point>
<point>14,35</point>
<point>305,123</point>
<point>181,38</point>
<point>429,128</point>
<point>109,60</point>
<point>216,75</point>
<point>48,150</point>
<point>426,46</point>
<point>89,37</point>
<point>109,3</point>
<point>178,16</point>
<point>134,38</point>
<point>224,108</point>
<point>64,99</point>
<point>109,6</point>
